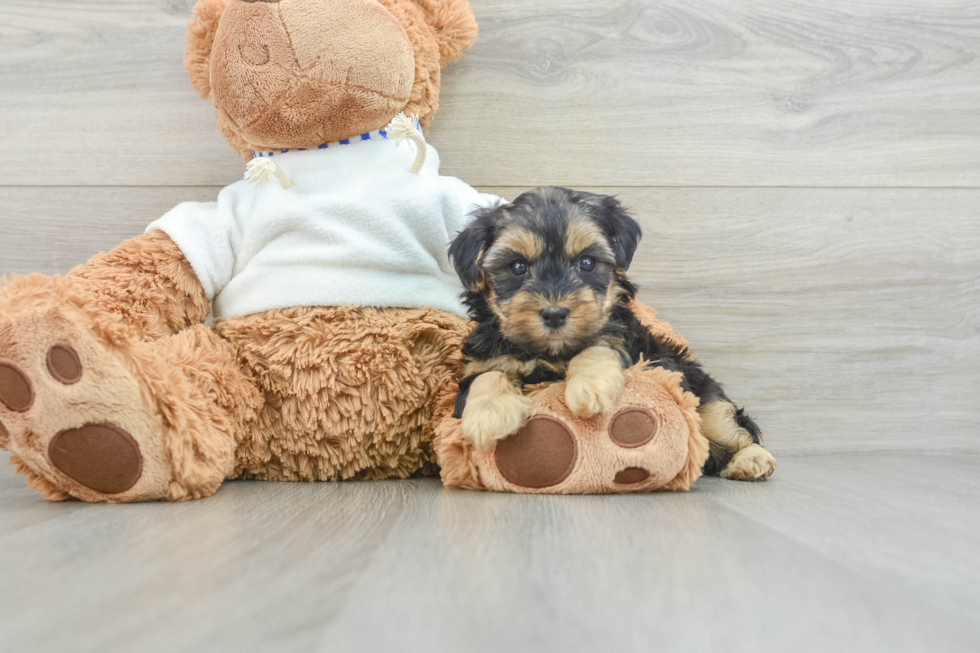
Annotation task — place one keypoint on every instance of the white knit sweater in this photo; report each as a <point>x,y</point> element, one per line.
<point>355,229</point>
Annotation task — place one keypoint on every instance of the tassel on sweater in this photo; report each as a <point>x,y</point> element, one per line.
<point>404,128</point>
<point>262,171</point>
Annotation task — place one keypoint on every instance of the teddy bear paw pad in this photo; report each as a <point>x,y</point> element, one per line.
<point>632,427</point>
<point>16,391</point>
<point>64,364</point>
<point>631,476</point>
<point>102,457</point>
<point>539,455</point>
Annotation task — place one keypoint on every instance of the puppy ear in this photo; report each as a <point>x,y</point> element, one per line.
<point>623,232</point>
<point>454,26</point>
<point>200,39</point>
<point>467,249</point>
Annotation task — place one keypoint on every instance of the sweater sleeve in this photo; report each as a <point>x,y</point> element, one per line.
<point>470,199</point>
<point>208,236</point>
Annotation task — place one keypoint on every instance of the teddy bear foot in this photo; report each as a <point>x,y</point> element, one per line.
<point>543,454</point>
<point>650,440</point>
<point>73,415</point>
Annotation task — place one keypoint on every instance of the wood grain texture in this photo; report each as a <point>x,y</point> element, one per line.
<point>845,552</point>
<point>845,320</point>
<point>919,534</point>
<point>573,92</point>
<point>51,230</point>
<point>769,92</point>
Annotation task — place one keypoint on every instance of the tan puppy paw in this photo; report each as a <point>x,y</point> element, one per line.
<point>495,408</point>
<point>594,381</point>
<point>753,463</point>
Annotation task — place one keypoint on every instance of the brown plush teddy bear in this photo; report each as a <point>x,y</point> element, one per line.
<point>337,324</point>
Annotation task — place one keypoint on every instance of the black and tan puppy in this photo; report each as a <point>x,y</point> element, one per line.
<point>546,283</point>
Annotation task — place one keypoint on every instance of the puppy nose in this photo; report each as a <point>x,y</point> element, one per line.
<point>554,316</point>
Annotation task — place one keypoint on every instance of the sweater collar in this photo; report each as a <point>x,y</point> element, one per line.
<point>376,135</point>
<point>378,151</point>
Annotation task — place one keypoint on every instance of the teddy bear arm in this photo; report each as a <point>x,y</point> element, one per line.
<point>648,318</point>
<point>147,282</point>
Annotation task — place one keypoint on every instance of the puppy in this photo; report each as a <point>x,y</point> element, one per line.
<point>545,280</point>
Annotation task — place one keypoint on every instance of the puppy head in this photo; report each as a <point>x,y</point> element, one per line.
<point>550,265</point>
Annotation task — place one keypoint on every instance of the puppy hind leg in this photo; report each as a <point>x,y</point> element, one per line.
<point>752,463</point>
<point>735,452</point>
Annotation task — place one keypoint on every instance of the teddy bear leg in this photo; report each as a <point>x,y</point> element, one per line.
<point>348,393</point>
<point>649,439</point>
<point>122,421</point>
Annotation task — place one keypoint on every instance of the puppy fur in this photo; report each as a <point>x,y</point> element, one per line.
<point>545,280</point>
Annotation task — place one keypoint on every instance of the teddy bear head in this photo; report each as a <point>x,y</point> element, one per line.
<point>287,74</point>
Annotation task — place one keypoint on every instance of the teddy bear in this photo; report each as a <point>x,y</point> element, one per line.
<point>306,325</point>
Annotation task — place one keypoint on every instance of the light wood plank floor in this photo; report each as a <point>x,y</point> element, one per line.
<point>808,179</point>
<point>843,552</point>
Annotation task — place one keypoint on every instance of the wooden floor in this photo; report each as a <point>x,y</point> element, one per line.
<point>841,552</point>
<point>807,175</point>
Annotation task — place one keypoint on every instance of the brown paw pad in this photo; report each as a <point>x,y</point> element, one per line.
<point>632,427</point>
<point>16,392</point>
<point>64,364</point>
<point>631,476</point>
<point>539,455</point>
<point>102,457</point>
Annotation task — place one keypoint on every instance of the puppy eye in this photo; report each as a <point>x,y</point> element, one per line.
<point>519,268</point>
<point>586,264</point>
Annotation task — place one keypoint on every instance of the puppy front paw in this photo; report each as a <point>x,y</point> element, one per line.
<point>595,381</point>
<point>494,410</point>
<point>588,397</point>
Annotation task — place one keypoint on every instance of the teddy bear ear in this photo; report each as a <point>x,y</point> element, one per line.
<point>200,39</point>
<point>454,26</point>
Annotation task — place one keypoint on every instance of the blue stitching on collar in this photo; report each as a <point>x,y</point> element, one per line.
<point>347,141</point>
